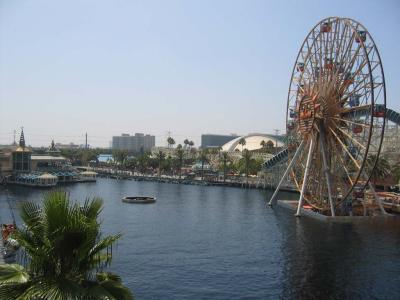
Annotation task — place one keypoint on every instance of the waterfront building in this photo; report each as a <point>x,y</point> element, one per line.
<point>216,140</point>
<point>134,143</point>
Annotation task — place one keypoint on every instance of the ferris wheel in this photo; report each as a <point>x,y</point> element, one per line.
<point>335,115</point>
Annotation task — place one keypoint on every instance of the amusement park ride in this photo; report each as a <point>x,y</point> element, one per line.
<point>335,118</point>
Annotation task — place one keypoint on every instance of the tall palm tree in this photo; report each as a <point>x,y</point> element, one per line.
<point>120,156</point>
<point>171,142</point>
<point>66,254</point>
<point>186,143</point>
<point>263,144</point>
<point>225,159</point>
<point>203,156</point>
<point>381,170</point>
<point>395,171</point>
<point>191,144</point>
<point>242,142</point>
<point>179,155</point>
<point>270,146</point>
<point>246,160</point>
<point>160,156</point>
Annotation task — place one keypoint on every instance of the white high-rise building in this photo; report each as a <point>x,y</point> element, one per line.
<point>134,143</point>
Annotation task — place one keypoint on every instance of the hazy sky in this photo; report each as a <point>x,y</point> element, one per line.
<point>189,67</point>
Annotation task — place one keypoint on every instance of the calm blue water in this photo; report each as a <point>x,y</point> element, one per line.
<point>201,242</point>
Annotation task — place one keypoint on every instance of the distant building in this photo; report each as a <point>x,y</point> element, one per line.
<point>134,143</point>
<point>253,142</point>
<point>215,140</point>
<point>68,146</point>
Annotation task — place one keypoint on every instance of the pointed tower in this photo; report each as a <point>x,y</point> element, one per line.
<point>22,139</point>
<point>21,156</point>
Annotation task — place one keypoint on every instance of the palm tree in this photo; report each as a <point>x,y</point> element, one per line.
<point>270,146</point>
<point>242,142</point>
<point>170,142</point>
<point>381,170</point>
<point>191,144</point>
<point>203,157</point>
<point>395,171</point>
<point>160,156</point>
<point>120,156</point>
<point>225,159</point>
<point>246,160</point>
<point>263,144</point>
<point>186,143</point>
<point>179,155</point>
<point>65,251</point>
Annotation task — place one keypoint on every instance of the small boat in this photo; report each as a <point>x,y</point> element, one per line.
<point>139,200</point>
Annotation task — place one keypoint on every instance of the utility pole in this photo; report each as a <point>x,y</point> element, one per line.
<point>15,133</point>
<point>86,146</point>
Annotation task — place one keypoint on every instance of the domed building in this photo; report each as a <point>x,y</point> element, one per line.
<point>254,141</point>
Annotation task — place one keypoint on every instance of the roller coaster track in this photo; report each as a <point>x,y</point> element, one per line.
<point>391,115</point>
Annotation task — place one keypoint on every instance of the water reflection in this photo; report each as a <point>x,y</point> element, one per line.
<point>339,261</point>
<point>224,243</point>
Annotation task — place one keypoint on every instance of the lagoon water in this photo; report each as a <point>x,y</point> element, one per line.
<point>200,242</point>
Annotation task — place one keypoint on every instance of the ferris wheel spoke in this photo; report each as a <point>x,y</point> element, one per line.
<point>348,49</point>
<point>351,122</point>
<point>311,59</point>
<point>350,65</point>
<point>345,148</point>
<point>350,137</point>
<point>343,164</point>
<point>356,108</point>
<point>357,73</point>
<point>342,44</point>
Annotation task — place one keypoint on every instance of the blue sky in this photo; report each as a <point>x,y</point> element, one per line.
<point>189,67</point>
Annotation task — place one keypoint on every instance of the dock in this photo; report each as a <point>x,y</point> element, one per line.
<point>292,206</point>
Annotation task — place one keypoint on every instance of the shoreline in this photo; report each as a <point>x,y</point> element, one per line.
<point>127,175</point>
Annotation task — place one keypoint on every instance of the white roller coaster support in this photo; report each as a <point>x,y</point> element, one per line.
<point>303,188</point>
<point>272,201</point>
<point>326,170</point>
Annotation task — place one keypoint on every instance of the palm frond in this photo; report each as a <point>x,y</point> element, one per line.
<point>92,208</point>
<point>30,213</point>
<point>116,289</point>
<point>13,273</point>
<point>54,288</point>
<point>13,291</point>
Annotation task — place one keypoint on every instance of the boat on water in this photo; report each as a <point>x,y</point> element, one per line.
<point>139,200</point>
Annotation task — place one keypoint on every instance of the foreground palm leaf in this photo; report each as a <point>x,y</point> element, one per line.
<point>66,254</point>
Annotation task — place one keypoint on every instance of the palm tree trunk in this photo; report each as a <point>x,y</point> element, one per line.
<point>224,171</point>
